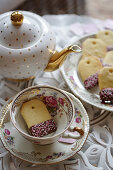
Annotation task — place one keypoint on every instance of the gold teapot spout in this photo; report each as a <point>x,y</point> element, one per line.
<point>58,58</point>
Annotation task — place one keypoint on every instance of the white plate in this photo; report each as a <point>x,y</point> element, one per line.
<point>69,71</point>
<point>47,154</point>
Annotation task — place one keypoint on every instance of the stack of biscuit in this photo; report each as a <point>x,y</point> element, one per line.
<point>96,64</point>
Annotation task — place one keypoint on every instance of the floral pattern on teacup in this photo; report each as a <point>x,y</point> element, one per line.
<point>51,104</point>
<point>50,101</point>
<point>54,104</point>
<point>8,138</point>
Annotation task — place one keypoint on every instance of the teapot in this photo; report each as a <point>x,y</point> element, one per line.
<point>27,46</point>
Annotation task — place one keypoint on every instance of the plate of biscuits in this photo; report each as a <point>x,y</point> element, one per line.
<point>89,74</point>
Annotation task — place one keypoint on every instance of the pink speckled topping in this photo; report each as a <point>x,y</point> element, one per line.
<point>106,95</point>
<point>91,81</point>
<point>43,129</point>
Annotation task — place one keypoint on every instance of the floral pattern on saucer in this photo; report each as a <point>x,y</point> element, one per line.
<point>35,155</point>
<point>8,138</point>
<point>78,116</point>
<point>47,154</point>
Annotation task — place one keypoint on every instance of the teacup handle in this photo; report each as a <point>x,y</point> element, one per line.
<point>71,135</point>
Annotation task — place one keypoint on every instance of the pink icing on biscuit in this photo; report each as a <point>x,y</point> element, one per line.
<point>43,129</point>
<point>91,81</point>
<point>106,95</point>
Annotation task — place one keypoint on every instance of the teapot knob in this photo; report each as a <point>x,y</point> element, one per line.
<point>17,18</point>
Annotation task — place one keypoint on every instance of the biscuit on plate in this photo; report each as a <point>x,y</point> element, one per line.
<point>108,58</point>
<point>105,78</point>
<point>106,36</point>
<point>88,66</point>
<point>94,47</point>
<point>106,85</point>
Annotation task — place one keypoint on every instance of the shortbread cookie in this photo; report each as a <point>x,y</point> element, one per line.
<point>106,36</point>
<point>108,58</point>
<point>88,66</point>
<point>106,85</point>
<point>37,118</point>
<point>106,78</point>
<point>94,47</point>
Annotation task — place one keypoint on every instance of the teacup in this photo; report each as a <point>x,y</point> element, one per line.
<point>59,105</point>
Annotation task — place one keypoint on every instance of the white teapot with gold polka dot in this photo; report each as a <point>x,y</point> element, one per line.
<point>27,46</point>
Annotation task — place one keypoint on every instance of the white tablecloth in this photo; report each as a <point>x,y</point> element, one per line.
<point>97,152</point>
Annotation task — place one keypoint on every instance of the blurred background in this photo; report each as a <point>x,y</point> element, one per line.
<point>101,9</point>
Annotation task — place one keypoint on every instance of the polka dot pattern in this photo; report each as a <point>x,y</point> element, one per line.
<point>27,35</point>
<point>25,48</point>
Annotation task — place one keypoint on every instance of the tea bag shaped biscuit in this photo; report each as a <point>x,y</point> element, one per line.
<point>37,118</point>
<point>106,84</point>
<point>88,69</point>
<point>106,36</point>
<point>108,58</point>
<point>94,47</point>
<point>106,78</point>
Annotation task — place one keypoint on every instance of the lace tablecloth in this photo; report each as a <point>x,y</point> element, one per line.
<point>97,152</point>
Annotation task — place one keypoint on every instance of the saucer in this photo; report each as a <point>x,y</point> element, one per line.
<point>70,74</point>
<point>21,148</point>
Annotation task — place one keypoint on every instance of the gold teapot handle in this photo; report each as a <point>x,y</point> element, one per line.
<point>58,58</point>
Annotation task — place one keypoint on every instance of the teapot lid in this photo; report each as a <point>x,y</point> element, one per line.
<point>21,29</point>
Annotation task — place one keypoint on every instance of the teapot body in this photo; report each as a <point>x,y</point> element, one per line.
<point>25,49</point>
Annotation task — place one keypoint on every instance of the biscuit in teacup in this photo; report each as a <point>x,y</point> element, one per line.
<point>37,118</point>
<point>106,36</point>
<point>94,47</point>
